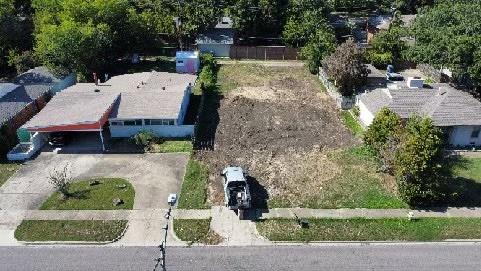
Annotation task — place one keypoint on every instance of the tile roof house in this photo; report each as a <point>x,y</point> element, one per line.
<point>126,104</point>
<point>218,39</point>
<point>455,111</point>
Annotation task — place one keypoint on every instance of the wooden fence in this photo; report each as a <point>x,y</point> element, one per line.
<point>264,52</point>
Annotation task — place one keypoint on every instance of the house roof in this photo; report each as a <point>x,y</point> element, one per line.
<point>26,88</point>
<point>381,22</point>
<point>140,95</point>
<point>445,105</point>
<point>216,36</point>
<point>159,97</point>
<point>73,108</point>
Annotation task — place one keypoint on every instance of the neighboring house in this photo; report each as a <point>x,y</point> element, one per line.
<point>125,104</point>
<point>456,112</point>
<point>27,95</point>
<point>217,40</point>
<point>376,24</point>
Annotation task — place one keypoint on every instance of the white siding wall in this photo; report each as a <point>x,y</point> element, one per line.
<point>461,136</point>
<point>219,50</point>
<point>184,106</point>
<point>158,130</point>
<point>365,115</point>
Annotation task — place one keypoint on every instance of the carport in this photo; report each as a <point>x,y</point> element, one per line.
<point>71,111</point>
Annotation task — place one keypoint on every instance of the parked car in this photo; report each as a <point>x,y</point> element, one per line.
<point>57,139</point>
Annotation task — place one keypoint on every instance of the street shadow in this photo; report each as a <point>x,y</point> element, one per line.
<point>459,191</point>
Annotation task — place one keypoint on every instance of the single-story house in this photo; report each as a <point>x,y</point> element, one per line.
<point>125,105</point>
<point>217,40</point>
<point>377,23</point>
<point>456,112</point>
<point>27,95</point>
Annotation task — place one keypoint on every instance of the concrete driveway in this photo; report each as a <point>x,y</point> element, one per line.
<point>153,176</point>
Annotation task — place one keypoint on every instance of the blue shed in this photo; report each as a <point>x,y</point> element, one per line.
<point>187,62</point>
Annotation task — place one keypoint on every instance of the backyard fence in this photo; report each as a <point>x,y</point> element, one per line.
<point>342,102</point>
<point>264,52</point>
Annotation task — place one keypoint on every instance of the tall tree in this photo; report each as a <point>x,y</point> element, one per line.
<point>448,36</point>
<point>345,67</point>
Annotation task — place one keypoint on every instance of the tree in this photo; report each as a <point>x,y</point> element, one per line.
<point>61,178</point>
<point>345,67</point>
<point>418,162</point>
<point>383,136</point>
<point>260,18</point>
<point>319,46</point>
<point>73,46</point>
<point>448,36</point>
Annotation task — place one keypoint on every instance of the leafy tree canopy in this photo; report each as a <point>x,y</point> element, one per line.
<point>448,36</point>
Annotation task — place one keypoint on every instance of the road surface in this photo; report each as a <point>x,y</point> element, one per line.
<point>324,257</point>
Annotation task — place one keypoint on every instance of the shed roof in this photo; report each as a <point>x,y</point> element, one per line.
<point>14,97</point>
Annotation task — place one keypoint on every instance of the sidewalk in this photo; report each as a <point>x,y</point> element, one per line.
<point>145,226</point>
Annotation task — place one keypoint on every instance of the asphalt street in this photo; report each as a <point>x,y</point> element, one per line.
<point>433,256</point>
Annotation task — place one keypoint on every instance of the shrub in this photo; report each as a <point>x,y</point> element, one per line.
<point>385,124</point>
<point>379,60</point>
<point>143,139</point>
<point>208,75</point>
<point>21,61</point>
<point>418,162</point>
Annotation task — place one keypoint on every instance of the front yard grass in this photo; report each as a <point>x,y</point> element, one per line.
<point>196,231</point>
<point>468,168</point>
<point>361,229</point>
<point>353,182</point>
<point>70,230</point>
<point>93,197</point>
<point>165,146</point>
<point>7,170</point>
<point>193,194</point>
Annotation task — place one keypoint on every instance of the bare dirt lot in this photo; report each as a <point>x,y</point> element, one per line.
<point>279,125</point>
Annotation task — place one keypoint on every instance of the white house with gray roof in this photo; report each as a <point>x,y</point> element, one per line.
<point>125,104</point>
<point>456,112</point>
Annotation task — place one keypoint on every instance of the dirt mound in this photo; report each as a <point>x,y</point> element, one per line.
<point>273,131</point>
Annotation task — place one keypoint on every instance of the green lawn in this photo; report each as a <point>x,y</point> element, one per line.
<point>70,230</point>
<point>352,123</point>
<point>353,183</point>
<point>96,197</point>
<point>469,168</point>
<point>193,194</point>
<point>196,231</point>
<point>359,229</point>
<point>7,170</point>
<point>165,146</point>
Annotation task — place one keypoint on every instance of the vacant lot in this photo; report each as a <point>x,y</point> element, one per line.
<point>279,125</point>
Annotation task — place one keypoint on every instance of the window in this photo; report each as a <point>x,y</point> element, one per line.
<point>171,122</point>
<point>165,122</point>
<point>133,123</point>
<point>116,123</point>
<point>475,133</point>
<point>180,62</point>
<point>147,122</point>
<point>155,122</point>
